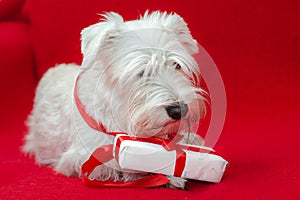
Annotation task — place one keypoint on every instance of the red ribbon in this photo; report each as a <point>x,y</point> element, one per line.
<point>104,154</point>
<point>180,162</point>
<point>88,119</point>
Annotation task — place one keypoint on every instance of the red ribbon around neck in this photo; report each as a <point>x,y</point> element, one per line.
<point>104,153</point>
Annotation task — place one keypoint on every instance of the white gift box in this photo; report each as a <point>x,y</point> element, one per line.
<point>190,162</point>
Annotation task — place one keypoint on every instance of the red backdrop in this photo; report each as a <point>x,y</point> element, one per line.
<point>255,44</point>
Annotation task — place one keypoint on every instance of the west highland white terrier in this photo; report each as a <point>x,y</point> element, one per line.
<point>137,77</point>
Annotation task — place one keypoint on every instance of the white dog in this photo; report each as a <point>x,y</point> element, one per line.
<point>137,77</point>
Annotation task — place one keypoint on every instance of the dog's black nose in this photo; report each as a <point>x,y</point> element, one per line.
<point>177,111</point>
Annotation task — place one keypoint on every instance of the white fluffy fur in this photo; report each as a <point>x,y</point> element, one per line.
<point>129,78</point>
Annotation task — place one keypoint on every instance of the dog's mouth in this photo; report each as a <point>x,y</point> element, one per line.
<point>163,120</point>
<point>165,130</point>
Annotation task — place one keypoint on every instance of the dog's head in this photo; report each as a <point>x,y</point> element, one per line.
<point>148,68</point>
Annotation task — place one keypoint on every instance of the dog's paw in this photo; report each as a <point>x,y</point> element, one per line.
<point>69,165</point>
<point>176,182</point>
<point>132,176</point>
<point>105,173</point>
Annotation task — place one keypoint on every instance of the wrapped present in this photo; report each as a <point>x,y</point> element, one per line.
<point>186,161</point>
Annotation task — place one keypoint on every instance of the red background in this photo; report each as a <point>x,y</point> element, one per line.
<point>255,44</point>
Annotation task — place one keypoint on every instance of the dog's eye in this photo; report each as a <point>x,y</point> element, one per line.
<point>141,74</point>
<point>177,66</point>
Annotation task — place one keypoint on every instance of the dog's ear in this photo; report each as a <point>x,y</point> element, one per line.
<point>97,35</point>
<point>177,25</point>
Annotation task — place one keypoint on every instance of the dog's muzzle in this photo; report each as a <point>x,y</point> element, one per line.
<point>177,111</point>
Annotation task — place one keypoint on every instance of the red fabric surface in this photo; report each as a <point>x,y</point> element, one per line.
<point>256,47</point>
<point>10,9</point>
<point>16,64</point>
